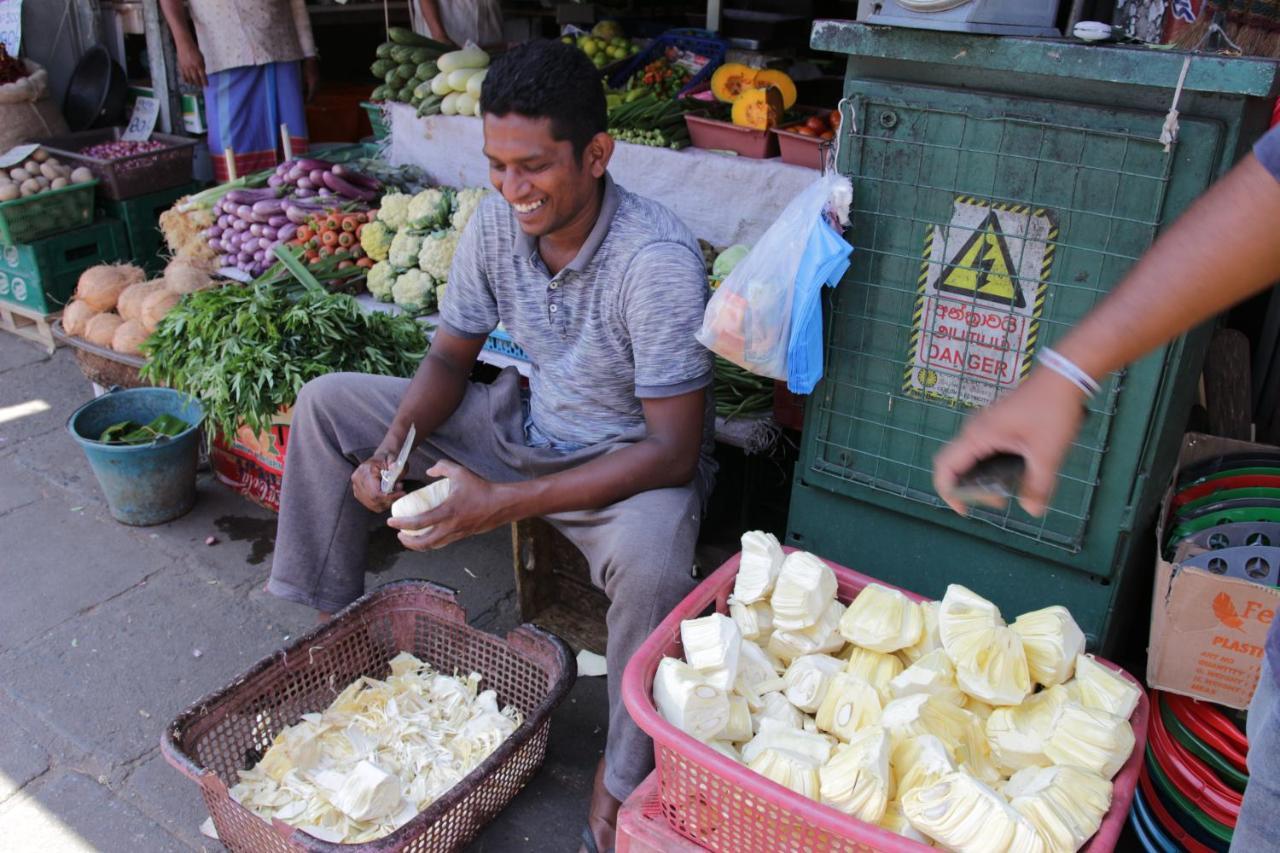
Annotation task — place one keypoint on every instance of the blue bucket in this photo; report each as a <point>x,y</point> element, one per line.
<point>147,483</point>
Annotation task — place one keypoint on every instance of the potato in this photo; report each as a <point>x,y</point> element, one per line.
<point>40,155</point>
<point>32,167</point>
<point>9,191</point>
<point>81,175</point>
<point>50,170</point>
<point>30,187</point>
<point>19,175</point>
<point>59,183</point>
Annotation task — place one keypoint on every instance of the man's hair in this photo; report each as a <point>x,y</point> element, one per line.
<point>553,80</point>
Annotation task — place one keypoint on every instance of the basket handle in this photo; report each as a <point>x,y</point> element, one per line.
<point>443,599</point>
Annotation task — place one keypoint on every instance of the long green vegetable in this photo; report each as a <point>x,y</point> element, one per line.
<point>739,392</point>
<point>246,351</point>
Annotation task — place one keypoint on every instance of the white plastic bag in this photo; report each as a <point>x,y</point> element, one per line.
<point>748,320</point>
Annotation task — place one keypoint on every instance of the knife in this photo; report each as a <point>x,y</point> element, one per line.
<point>392,472</point>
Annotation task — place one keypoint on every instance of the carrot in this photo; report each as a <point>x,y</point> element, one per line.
<point>329,238</point>
<point>324,251</point>
<point>359,229</point>
<point>365,263</point>
<point>349,223</point>
<point>305,233</point>
<point>312,256</point>
<point>331,222</point>
<point>345,239</point>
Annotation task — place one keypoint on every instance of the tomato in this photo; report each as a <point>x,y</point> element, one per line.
<point>806,130</point>
<point>365,263</point>
<point>834,119</point>
<point>816,124</point>
<point>826,134</point>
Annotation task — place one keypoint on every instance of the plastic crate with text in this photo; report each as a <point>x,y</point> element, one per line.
<point>253,463</point>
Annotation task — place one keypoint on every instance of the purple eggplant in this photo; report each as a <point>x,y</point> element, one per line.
<point>287,232</point>
<point>268,208</point>
<point>240,225</point>
<point>247,197</point>
<point>304,193</point>
<point>255,230</point>
<point>311,165</point>
<point>275,181</point>
<point>347,189</point>
<point>358,179</point>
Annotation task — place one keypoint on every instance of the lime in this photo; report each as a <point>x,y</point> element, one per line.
<point>589,48</point>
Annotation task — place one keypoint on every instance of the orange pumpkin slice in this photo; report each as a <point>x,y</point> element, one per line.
<point>730,80</point>
<point>780,81</point>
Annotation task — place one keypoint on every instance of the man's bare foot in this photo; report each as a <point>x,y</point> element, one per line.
<point>602,819</point>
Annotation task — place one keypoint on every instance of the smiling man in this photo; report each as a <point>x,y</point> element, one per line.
<point>612,444</point>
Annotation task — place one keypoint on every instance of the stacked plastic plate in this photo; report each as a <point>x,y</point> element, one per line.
<point>1229,505</point>
<point>1192,780</point>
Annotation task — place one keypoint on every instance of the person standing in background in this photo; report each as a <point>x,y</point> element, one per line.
<point>256,61</point>
<point>459,21</point>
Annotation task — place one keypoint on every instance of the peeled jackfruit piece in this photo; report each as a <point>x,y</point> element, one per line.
<point>822,637</point>
<point>856,779</point>
<point>804,588</point>
<point>775,706</point>
<point>997,672</point>
<point>850,705</point>
<point>368,793</point>
<point>876,668</point>
<point>933,675</point>
<point>687,701</point>
<point>882,619</point>
<point>1065,804</point>
<point>968,816</point>
<point>738,727</point>
<point>754,620</point>
<point>807,678</point>
<point>754,667</point>
<point>929,639</point>
<point>812,746</point>
<point>977,707</point>
<point>1052,640</point>
<point>1017,734</point>
<point>1090,738</point>
<point>895,820</point>
<point>1105,689</point>
<point>726,749</point>
<point>788,769</point>
<point>965,620</point>
<point>758,568</point>
<point>921,714</point>
<point>711,646</point>
<point>919,761</point>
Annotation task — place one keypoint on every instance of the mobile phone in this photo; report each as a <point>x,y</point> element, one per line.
<point>991,481</point>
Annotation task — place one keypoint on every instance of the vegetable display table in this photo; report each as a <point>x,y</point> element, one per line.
<point>724,199</point>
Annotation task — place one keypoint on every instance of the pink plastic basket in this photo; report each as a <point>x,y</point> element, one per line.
<point>722,805</point>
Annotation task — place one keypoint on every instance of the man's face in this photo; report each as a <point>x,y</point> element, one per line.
<point>537,174</point>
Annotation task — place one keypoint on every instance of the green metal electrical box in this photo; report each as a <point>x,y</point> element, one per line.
<point>1001,187</point>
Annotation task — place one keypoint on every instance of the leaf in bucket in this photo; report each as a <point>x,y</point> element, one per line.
<point>130,432</point>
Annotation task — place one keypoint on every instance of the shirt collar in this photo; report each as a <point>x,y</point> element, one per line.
<point>526,245</point>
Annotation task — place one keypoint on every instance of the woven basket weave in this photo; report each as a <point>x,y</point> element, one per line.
<point>231,729</point>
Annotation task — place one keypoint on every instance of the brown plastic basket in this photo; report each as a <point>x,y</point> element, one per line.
<point>102,365</point>
<point>229,730</point>
<point>134,175</point>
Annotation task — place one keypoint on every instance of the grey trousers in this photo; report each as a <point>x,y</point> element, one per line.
<point>640,550</point>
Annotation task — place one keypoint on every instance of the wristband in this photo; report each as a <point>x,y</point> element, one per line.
<point>1068,370</point>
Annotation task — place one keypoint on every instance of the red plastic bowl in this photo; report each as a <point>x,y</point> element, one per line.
<point>722,805</point>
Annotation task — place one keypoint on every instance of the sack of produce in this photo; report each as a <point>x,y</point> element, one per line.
<point>26,111</point>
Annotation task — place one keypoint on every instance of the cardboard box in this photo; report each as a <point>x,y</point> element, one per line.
<point>253,463</point>
<point>1208,631</point>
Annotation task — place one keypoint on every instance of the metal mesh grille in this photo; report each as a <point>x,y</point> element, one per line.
<point>1098,196</point>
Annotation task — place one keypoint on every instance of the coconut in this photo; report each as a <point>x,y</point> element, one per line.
<point>129,337</point>
<point>102,328</point>
<point>182,278</point>
<point>75,316</point>
<point>129,306</point>
<point>156,306</point>
<point>101,286</point>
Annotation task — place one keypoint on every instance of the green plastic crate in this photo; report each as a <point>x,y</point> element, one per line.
<point>1000,191</point>
<point>141,218</point>
<point>42,275</point>
<point>50,212</point>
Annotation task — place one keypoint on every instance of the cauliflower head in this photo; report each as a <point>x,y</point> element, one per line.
<point>379,280</point>
<point>404,250</point>
<point>414,291</point>
<point>465,204</point>
<point>429,209</point>
<point>375,239</point>
<point>394,210</point>
<point>436,254</point>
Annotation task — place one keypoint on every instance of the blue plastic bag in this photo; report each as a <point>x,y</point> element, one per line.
<point>825,260</point>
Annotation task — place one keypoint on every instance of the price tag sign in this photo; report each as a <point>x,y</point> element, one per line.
<point>11,25</point>
<point>143,120</point>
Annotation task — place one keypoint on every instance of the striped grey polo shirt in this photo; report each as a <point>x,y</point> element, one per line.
<point>612,328</point>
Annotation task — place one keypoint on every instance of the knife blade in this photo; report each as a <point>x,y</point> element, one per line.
<point>392,472</point>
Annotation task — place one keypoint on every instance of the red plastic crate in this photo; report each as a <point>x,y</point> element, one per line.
<point>711,799</point>
<point>642,828</point>
<point>726,136</point>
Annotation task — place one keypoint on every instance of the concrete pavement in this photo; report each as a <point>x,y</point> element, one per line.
<point>107,632</point>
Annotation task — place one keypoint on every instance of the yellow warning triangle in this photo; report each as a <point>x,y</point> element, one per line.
<point>983,268</point>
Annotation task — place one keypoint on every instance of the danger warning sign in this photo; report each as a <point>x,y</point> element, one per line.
<point>982,288</point>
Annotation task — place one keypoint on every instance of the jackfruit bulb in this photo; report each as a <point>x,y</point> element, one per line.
<point>711,646</point>
<point>1017,734</point>
<point>687,701</point>
<point>789,770</point>
<point>921,714</point>
<point>813,747</point>
<point>1092,739</point>
<point>931,675</point>
<point>1052,641</point>
<point>876,668</point>
<point>895,820</point>
<point>804,588</point>
<point>754,621</point>
<point>754,666</point>
<point>929,639</point>
<point>919,761</point>
<point>997,673</point>
<point>758,568</point>
<point>856,779</point>
<point>1104,689</point>
<point>822,637</point>
<point>968,816</point>
<point>850,705</point>
<point>882,619</point>
<point>807,679</point>
<point>1066,804</point>
<point>965,622</point>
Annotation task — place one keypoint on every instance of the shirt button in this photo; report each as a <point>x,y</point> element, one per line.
<point>554,285</point>
<point>553,308</point>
